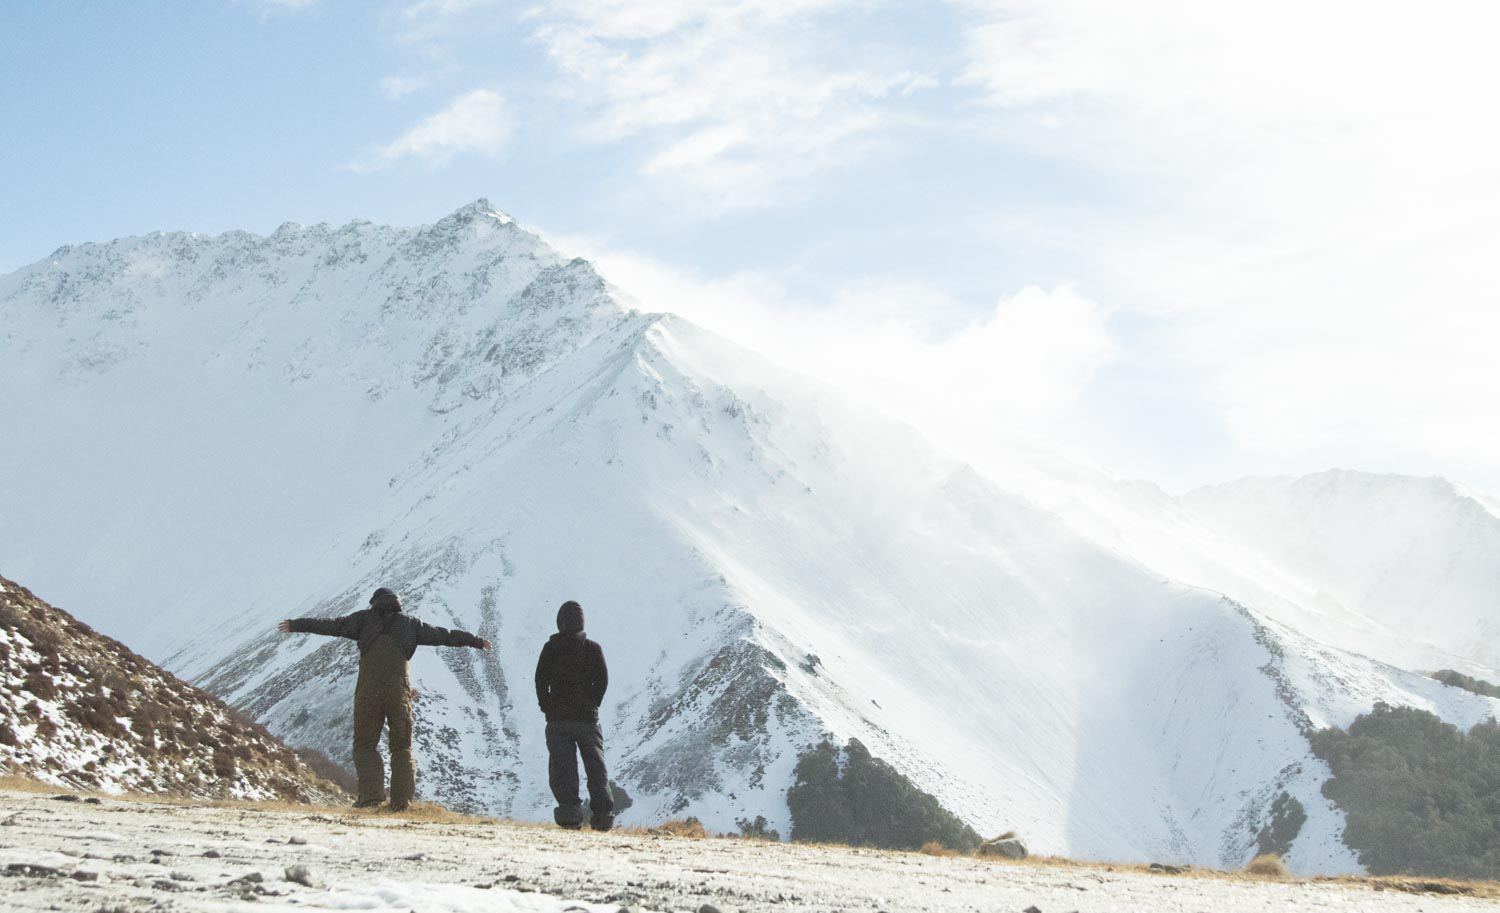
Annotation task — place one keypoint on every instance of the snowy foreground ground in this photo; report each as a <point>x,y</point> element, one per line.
<point>143,855</point>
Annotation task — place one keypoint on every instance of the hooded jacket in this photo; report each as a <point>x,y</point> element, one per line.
<point>367,624</point>
<point>571,678</point>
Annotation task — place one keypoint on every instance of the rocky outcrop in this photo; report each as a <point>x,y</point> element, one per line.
<point>1006,846</point>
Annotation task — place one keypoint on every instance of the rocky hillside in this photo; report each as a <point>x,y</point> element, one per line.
<point>82,710</point>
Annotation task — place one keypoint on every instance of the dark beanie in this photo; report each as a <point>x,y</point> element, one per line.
<point>570,618</point>
<point>386,600</point>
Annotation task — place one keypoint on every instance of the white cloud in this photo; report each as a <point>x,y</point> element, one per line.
<point>476,122</point>
<point>902,347</point>
<point>1311,249</point>
<point>397,87</point>
<point>737,102</point>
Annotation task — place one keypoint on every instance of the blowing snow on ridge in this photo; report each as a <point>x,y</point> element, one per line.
<point>236,429</point>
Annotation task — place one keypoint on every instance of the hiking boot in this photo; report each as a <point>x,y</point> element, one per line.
<point>367,803</point>
<point>602,822</point>
<point>398,806</point>
<point>569,816</point>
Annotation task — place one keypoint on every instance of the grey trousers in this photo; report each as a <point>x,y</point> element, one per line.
<point>566,741</point>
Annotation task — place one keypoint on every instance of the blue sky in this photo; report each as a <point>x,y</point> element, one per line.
<point>1192,241</point>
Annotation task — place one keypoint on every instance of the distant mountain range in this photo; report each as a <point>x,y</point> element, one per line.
<point>248,428</point>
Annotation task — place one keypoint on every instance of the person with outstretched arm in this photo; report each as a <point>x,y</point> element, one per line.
<point>387,638</point>
<point>571,679</point>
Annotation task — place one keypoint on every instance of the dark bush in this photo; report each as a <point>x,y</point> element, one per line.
<point>1286,820</point>
<point>620,797</point>
<point>324,767</point>
<point>1419,796</point>
<point>224,765</point>
<point>94,713</point>
<point>757,829</point>
<point>1468,683</point>
<point>40,684</point>
<point>869,804</point>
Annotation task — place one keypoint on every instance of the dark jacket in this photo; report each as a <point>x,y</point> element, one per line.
<point>571,678</point>
<point>367,624</point>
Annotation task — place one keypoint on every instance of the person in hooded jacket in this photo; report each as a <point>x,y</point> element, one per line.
<point>570,682</point>
<point>387,638</point>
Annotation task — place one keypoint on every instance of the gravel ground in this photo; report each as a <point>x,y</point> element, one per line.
<point>114,855</point>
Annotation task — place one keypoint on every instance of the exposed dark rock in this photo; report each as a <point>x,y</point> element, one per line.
<point>1004,847</point>
<point>301,875</point>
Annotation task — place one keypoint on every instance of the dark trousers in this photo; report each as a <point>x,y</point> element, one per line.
<point>567,740</point>
<point>382,699</point>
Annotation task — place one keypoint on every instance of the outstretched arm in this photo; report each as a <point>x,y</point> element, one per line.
<point>434,636</point>
<point>347,626</point>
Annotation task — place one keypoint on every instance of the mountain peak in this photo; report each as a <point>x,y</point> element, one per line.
<point>479,209</point>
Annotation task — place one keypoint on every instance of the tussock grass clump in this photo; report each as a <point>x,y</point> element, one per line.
<point>1267,865</point>
<point>682,827</point>
<point>933,848</point>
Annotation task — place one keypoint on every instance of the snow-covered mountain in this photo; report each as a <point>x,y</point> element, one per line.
<point>250,428</point>
<point>1415,556</point>
<point>1401,569</point>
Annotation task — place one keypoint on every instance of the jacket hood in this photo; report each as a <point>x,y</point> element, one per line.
<point>570,618</point>
<point>385,600</point>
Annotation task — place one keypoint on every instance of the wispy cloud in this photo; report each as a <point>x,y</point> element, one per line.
<point>476,122</point>
<point>397,87</point>
<point>735,102</point>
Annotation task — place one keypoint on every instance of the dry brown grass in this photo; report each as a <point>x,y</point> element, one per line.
<point>1267,865</point>
<point>680,827</point>
<point>417,812</point>
<point>23,784</point>
<point>933,848</point>
<point>1415,884</point>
